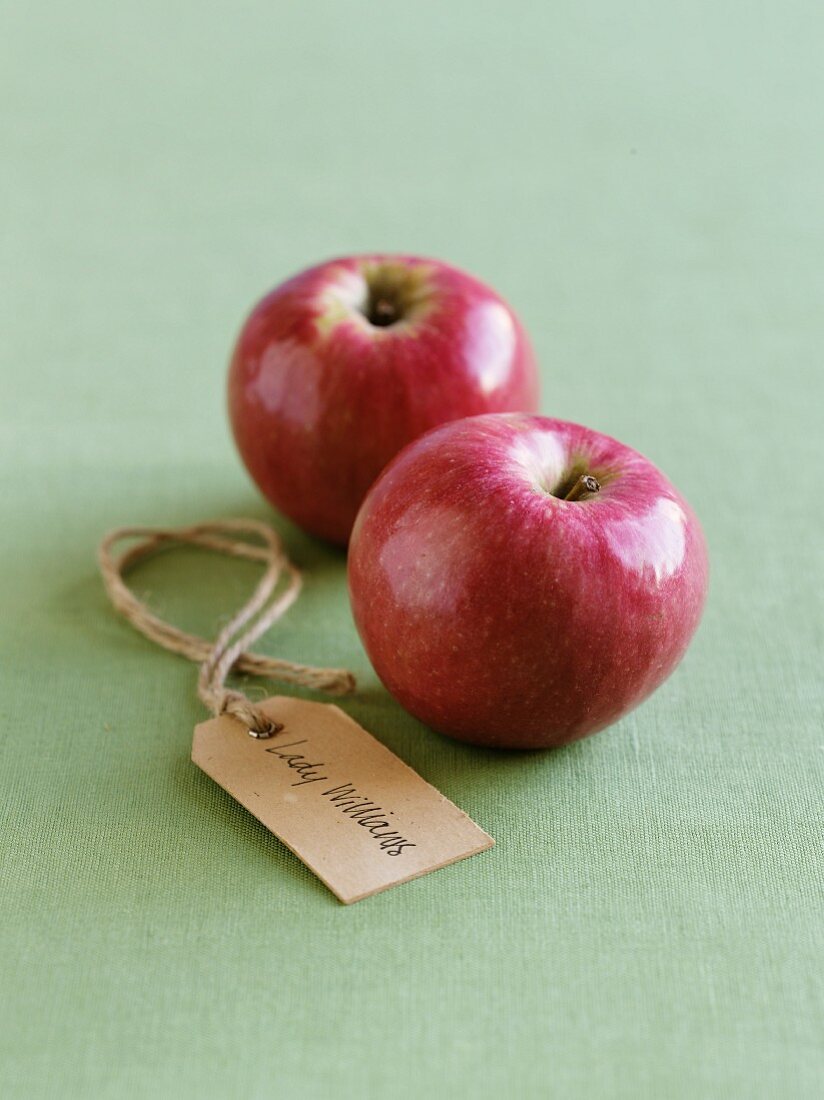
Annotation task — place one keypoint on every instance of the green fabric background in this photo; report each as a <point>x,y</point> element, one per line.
<point>645,183</point>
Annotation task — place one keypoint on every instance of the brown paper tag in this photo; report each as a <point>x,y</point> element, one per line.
<point>359,817</point>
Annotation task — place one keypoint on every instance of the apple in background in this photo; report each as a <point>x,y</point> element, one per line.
<point>522,582</point>
<point>339,368</point>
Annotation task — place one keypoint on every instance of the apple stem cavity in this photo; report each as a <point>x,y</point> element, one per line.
<point>585,485</point>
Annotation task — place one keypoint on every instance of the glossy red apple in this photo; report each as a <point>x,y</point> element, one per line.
<point>522,582</point>
<point>339,368</point>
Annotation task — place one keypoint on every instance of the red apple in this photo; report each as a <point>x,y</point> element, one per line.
<point>339,368</point>
<point>522,582</point>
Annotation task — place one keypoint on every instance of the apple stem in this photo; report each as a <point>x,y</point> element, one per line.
<point>383,312</point>
<point>586,483</point>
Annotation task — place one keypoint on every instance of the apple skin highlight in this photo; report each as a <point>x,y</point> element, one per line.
<point>502,615</point>
<point>336,370</point>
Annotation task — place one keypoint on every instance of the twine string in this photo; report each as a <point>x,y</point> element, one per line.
<point>231,650</point>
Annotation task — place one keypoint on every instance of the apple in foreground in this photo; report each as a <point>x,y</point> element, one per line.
<point>339,368</point>
<point>522,582</point>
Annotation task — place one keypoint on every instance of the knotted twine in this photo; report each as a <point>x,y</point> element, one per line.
<point>230,650</point>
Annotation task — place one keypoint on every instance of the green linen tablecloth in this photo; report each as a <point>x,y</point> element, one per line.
<point>645,183</point>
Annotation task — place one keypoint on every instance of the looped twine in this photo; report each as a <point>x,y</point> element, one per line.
<point>230,650</point>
